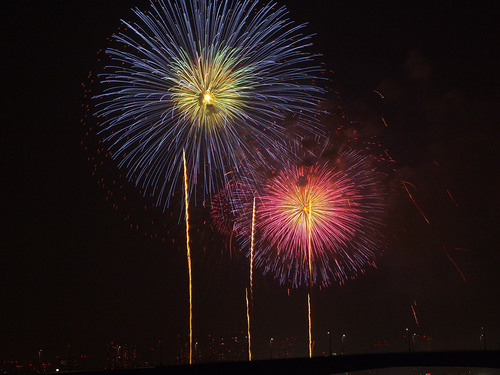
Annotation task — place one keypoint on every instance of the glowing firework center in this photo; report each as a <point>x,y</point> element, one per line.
<point>211,90</point>
<point>294,210</point>
<point>303,206</point>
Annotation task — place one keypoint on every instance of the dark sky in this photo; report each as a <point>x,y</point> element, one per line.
<point>72,270</point>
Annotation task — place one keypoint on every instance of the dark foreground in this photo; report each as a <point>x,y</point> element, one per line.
<point>327,365</point>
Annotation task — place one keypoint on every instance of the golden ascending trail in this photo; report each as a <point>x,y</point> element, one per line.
<point>248,325</point>
<point>309,248</point>
<point>251,250</point>
<point>309,251</point>
<point>251,281</point>
<point>188,251</point>
<point>310,331</point>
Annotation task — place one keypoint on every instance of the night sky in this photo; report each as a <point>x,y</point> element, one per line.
<point>73,271</point>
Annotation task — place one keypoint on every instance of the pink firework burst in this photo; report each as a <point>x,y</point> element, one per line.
<point>321,223</point>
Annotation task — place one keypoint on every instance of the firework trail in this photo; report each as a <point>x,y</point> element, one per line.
<point>224,212</point>
<point>379,94</point>
<point>218,79</point>
<point>251,279</point>
<point>455,264</point>
<point>188,253</point>
<point>309,211</point>
<point>413,305</point>
<point>319,223</point>
<point>252,242</point>
<point>451,197</point>
<point>248,326</point>
<point>405,186</point>
<point>309,208</point>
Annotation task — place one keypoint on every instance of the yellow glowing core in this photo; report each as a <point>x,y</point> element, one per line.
<point>207,98</point>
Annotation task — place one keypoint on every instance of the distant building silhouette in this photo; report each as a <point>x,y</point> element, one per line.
<point>284,348</point>
<point>231,347</point>
<point>120,356</point>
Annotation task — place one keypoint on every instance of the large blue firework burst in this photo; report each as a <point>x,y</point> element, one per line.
<point>218,79</point>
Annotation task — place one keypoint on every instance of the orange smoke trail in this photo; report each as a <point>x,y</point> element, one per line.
<point>188,252</point>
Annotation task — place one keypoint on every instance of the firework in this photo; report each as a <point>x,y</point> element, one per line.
<point>320,223</point>
<point>216,78</point>
<point>221,212</point>
<point>226,203</point>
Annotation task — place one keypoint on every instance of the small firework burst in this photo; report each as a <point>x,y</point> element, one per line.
<point>228,203</point>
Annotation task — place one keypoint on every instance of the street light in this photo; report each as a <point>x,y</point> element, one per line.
<point>483,338</point>
<point>330,342</point>
<point>343,337</point>
<point>195,349</point>
<point>40,360</point>
<point>408,337</point>
<point>270,348</point>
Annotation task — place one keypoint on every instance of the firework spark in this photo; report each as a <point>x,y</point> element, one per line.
<point>455,264</point>
<point>379,94</point>
<point>216,78</point>
<point>451,197</point>
<point>320,222</point>
<point>405,186</point>
<point>415,313</point>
